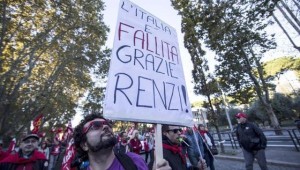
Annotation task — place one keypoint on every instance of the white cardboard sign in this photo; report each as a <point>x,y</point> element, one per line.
<point>146,81</point>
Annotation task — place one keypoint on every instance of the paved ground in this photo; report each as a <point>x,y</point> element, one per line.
<point>227,164</point>
<point>277,158</point>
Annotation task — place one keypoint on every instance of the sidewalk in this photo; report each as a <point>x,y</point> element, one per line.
<point>288,157</point>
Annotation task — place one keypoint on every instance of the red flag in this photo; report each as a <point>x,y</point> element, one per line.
<point>69,156</point>
<point>37,123</point>
<point>68,132</point>
<point>195,128</point>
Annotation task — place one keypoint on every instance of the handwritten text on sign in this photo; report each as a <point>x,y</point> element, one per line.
<point>146,81</point>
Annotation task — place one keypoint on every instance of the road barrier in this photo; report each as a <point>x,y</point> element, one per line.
<point>288,135</point>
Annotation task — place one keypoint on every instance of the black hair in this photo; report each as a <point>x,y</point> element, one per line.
<point>121,134</point>
<point>165,128</point>
<point>79,137</point>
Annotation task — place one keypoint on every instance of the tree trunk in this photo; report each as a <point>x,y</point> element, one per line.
<point>291,13</point>
<point>273,119</point>
<point>297,4</point>
<point>262,95</point>
<point>288,19</point>
<point>286,33</point>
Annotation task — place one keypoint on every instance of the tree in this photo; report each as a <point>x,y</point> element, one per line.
<point>289,12</point>
<point>47,51</point>
<point>94,100</point>
<point>274,68</point>
<point>234,30</point>
<point>282,105</point>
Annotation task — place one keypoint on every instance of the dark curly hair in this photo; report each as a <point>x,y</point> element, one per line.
<point>78,133</point>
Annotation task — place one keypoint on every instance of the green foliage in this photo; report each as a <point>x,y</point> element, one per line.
<point>279,65</point>
<point>281,104</point>
<point>234,30</point>
<point>296,106</point>
<point>47,51</point>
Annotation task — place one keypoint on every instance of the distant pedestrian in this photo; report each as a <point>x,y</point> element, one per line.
<point>45,149</point>
<point>195,149</point>
<point>208,143</point>
<point>252,141</point>
<point>122,146</point>
<point>149,139</point>
<point>135,142</point>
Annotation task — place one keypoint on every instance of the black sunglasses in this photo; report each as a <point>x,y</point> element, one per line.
<point>175,130</point>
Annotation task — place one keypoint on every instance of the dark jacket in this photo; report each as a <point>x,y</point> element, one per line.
<point>193,149</point>
<point>174,158</point>
<point>37,161</point>
<point>251,137</point>
<point>119,148</point>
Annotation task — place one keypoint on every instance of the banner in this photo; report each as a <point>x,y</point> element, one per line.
<point>146,81</point>
<point>69,156</point>
<point>37,123</point>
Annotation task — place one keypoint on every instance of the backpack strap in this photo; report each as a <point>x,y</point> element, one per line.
<point>126,161</point>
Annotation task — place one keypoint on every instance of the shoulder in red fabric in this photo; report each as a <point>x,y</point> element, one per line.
<point>11,158</point>
<point>15,158</point>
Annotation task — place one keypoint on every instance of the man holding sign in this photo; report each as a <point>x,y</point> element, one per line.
<point>146,81</point>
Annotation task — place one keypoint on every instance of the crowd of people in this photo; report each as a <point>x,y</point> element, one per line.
<point>93,145</point>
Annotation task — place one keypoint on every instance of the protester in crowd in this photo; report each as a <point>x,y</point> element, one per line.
<point>208,143</point>
<point>151,142</point>
<point>60,156</point>
<point>54,153</point>
<point>252,141</point>
<point>27,158</point>
<point>122,146</point>
<point>146,146</point>
<point>45,149</point>
<point>195,149</point>
<point>171,150</point>
<point>3,154</point>
<point>94,138</point>
<point>135,142</point>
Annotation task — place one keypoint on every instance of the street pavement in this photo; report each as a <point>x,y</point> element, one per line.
<point>227,164</point>
<point>277,159</point>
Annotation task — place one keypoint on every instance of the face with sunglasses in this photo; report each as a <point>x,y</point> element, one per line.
<point>99,135</point>
<point>173,133</point>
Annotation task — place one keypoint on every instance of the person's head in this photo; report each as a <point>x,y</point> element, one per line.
<point>189,130</point>
<point>44,145</point>
<point>29,143</point>
<point>201,127</point>
<point>123,135</point>
<point>135,134</point>
<point>172,133</point>
<point>241,117</point>
<point>93,134</point>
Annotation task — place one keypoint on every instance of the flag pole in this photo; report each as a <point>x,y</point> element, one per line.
<point>158,143</point>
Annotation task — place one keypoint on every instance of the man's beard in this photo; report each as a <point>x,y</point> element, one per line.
<point>107,143</point>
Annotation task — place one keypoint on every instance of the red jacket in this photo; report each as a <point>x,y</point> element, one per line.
<point>136,145</point>
<point>146,146</point>
<point>15,162</point>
